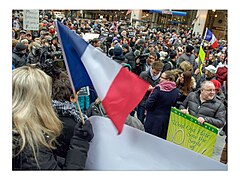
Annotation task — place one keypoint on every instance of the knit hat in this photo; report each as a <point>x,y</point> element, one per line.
<point>211,69</point>
<point>217,84</point>
<point>117,51</point>
<point>20,47</point>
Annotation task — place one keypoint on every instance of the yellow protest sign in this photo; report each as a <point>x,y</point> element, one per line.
<point>186,131</point>
<point>202,54</point>
<point>201,58</point>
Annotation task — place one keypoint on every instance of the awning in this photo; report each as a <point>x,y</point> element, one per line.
<point>176,13</point>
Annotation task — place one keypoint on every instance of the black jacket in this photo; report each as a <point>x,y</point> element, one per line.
<point>71,152</point>
<point>18,59</point>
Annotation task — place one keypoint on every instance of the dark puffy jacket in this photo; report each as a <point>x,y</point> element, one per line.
<point>213,111</point>
<point>18,59</point>
<point>31,59</point>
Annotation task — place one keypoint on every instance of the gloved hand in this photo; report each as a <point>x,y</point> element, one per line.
<point>83,131</point>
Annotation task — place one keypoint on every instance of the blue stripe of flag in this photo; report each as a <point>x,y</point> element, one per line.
<point>208,36</point>
<point>74,47</point>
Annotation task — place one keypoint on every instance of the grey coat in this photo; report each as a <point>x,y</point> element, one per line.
<point>185,57</point>
<point>213,111</point>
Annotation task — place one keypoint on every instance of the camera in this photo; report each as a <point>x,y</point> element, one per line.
<point>143,58</point>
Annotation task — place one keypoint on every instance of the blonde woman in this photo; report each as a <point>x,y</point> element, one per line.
<point>36,126</point>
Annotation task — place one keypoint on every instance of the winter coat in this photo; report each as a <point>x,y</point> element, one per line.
<point>213,111</point>
<point>47,159</point>
<point>158,108</point>
<point>134,122</point>
<point>70,153</point>
<point>18,59</point>
<point>131,59</point>
<point>169,65</point>
<point>119,59</point>
<point>185,57</point>
<point>31,59</point>
<point>221,74</point>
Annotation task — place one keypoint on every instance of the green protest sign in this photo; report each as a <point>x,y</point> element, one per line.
<point>201,59</point>
<point>186,131</point>
<point>201,54</point>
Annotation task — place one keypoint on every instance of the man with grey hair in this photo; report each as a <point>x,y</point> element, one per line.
<point>204,105</point>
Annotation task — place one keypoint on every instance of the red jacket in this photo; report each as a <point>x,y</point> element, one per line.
<point>221,74</point>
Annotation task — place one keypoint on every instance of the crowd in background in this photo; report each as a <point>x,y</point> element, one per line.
<point>167,58</point>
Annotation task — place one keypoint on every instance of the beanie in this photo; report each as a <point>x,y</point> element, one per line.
<point>217,84</point>
<point>20,47</point>
<point>117,51</point>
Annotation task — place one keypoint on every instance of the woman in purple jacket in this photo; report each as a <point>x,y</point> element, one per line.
<point>159,104</point>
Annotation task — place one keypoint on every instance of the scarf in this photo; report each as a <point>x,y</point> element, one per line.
<point>67,109</point>
<point>154,77</point>
<point>167,86</point>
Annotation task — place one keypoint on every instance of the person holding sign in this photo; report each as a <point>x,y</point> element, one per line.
<point>204,105</point>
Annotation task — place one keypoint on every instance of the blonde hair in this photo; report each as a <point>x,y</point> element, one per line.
<point>186,66</point>
<point>33,116</point>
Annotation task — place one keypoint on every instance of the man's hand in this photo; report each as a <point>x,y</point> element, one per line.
<point>184,111</point>
<point>201,120</point>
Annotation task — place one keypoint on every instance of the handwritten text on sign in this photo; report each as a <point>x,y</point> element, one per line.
<point>186,131</point>
<point>31,20</point>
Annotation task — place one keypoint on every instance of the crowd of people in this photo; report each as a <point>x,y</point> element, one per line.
<point>46,121</point>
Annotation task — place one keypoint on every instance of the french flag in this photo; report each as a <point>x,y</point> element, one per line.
<point>209,36</point>
<point>119,89</point>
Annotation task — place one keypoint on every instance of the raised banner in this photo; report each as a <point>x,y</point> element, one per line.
<point>135,150</point>
<point>187,132</point>
<point>31,20</point>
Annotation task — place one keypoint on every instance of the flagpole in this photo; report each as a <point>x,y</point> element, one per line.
<point>69,74</point>
<point>79,109</point>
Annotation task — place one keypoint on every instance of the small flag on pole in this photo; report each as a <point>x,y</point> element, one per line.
<point>209,36</point>
<point>119,89</point>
